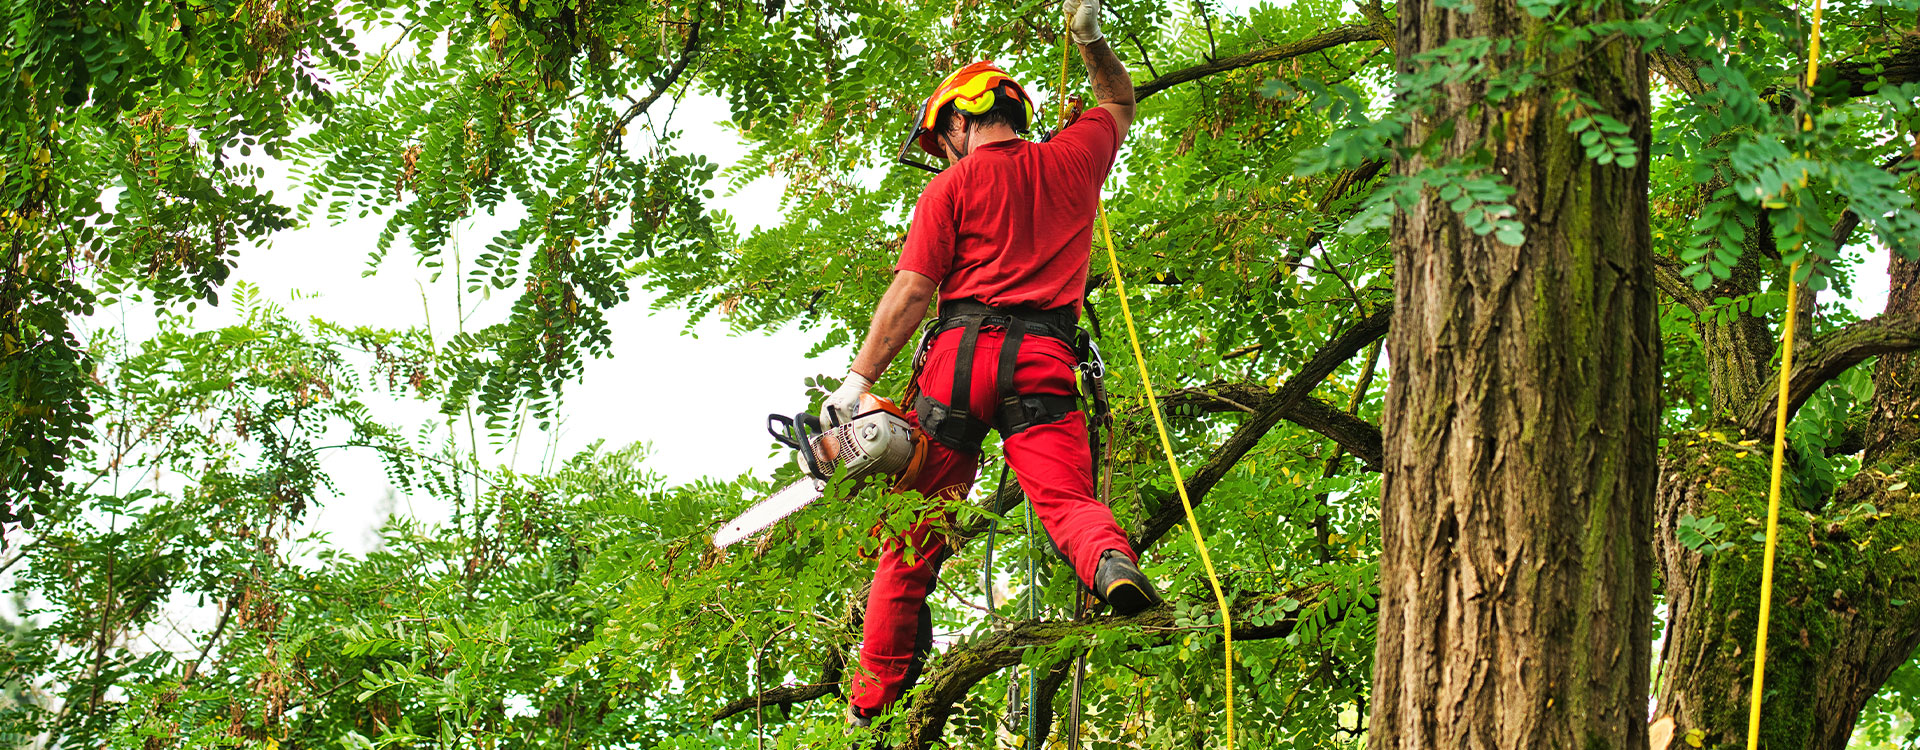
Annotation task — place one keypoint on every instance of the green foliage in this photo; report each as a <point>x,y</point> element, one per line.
<point>1701,534</point>
<point>119,174</point>
<point>581,604</point>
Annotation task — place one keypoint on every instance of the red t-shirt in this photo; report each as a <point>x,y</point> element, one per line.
<point>1012,223</point>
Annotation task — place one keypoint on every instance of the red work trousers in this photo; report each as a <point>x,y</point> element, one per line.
<point>1055,468</point>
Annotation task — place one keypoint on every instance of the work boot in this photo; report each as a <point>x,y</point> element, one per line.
<point>1119,582</point>
<point>855,720</point>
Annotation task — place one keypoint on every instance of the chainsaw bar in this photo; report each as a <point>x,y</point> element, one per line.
<point>768,512</point>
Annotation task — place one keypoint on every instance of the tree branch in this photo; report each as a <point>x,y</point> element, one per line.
<point>962,667</point>
<point>1682,71</point>
<point>1826,359</point>
<point>219,628</point>
<point>687,53</point>
<point>1353,434</point>
<point>1288,396</point>
<point>1903,66</point>
<point>1332,38</point>
<point>832,670</point>
<point>1666,275</point>
<point>1043,707</point>
<point>785,695</point>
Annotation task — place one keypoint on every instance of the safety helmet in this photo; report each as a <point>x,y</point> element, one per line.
<point>973,89</point>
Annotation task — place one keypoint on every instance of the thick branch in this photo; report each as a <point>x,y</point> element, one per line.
<point>1043,707</point>
<point>1324,40</point>
<point>961,668</point>
<point>1265,416</point>
<point>1353,434</point>
<point>785,695</point>
<point>1666,274</point>
<point>1903,66</point>
<point>1826,359</point>
<point>1682,71</point>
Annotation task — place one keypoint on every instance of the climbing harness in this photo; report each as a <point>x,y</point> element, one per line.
<point>955,425</point>
<point>1779,440</point>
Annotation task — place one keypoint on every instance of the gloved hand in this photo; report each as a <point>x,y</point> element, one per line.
<point>1083,21</point>
<point>845,402</point>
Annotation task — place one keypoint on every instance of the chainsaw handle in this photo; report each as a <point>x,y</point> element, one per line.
<point>783,432</point>
<point>801,422</point>
<point>795,433</point>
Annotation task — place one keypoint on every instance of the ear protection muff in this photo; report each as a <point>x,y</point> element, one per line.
<point>975,106</point>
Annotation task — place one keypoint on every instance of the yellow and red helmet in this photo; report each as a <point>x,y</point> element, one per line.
<point>973,89</point>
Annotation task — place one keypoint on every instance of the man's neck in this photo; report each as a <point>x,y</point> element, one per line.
<point>995,133</point>
<point>991,134</point>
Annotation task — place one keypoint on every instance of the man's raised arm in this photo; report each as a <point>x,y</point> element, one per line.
<point>1112,86</point>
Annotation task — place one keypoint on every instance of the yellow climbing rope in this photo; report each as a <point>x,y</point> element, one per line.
<point>1779,440</point>
<point>1153,405</point>
<point>1179,484</point>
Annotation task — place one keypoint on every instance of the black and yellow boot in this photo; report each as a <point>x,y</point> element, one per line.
<point>1119,582</point>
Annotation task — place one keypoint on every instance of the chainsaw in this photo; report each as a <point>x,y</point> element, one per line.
<point>876,444</point>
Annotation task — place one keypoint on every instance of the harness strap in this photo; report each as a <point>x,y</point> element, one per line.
<point>1009,412</point>
<point>963,373</point>
<point>1060,322</point>
<point>955,425</point>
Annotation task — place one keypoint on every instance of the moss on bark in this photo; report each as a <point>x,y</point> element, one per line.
<point>1842,580</point>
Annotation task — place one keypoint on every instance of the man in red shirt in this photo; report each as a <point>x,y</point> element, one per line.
<point>1004,235</point>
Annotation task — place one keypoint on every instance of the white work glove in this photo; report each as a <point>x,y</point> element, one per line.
<point>1083,21</point>
<point>845,402</point>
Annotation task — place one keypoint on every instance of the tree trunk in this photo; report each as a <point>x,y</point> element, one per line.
<point>1520,447</point>
<point>1846,580</point>
<point>1893,426</point>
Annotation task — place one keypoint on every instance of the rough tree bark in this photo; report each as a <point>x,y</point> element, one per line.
<point>1893,425</point>
<point>1844,576</point>
<point>1520,436</point>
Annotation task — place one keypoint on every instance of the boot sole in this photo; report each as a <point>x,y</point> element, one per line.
<point>1128,598</point>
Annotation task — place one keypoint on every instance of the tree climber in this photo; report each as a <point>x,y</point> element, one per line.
<point>1004,235</point>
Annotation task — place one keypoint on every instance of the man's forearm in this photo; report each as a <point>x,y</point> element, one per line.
<point>1111,82</point>
<point>894,321</point>
<point>889,334</point>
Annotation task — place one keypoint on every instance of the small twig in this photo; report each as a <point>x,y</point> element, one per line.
<point>673,76</point>
<point>383,55</point>
<point>1222,399</point>
<point>1135,38</point>
<point>219,628</point>
<point>1213,49</point>
<point>20,555</point>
